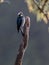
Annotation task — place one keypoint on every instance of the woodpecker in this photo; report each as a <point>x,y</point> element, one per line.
<point>20,22</point>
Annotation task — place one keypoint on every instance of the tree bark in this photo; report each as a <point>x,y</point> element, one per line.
<point>24,43</point>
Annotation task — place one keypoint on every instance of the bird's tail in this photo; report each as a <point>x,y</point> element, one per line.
<point>17,29</point>
<point>22,32</point>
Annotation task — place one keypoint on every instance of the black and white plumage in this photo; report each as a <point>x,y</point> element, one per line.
<point>20,22</point>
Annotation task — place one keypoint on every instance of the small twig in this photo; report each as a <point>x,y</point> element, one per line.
<point>24,43</point>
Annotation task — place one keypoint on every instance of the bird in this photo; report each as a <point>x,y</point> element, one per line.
<point>20,22</point>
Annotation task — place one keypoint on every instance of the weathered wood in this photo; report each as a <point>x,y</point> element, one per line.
<point>24,42</point>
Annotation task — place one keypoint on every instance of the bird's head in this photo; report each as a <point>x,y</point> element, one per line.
<point>20,14</point>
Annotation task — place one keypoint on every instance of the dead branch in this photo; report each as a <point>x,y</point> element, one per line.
<point>24,43</point>
<point>44,4</point>
<point>41,9</point>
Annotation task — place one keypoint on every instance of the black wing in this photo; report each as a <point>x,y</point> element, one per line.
<point>19,22</point>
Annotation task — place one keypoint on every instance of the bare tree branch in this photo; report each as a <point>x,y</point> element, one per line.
<point>44,4</point>
<point>24,43</point>
<point>41,9</point>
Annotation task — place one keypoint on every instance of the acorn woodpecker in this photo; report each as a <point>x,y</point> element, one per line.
<point>20,22</point>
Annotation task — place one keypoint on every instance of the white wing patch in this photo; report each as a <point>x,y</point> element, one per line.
<point>22,25</point>
<point>23,22</point>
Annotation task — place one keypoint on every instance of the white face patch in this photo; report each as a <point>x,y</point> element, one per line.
<point>21,15</point>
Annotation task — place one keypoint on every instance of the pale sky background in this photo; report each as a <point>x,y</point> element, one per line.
<point>37,52</point>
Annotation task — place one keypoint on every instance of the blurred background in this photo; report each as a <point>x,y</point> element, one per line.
<point>37,52</point>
